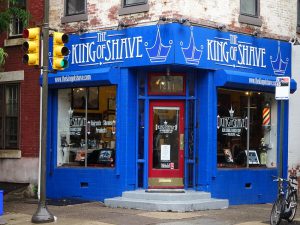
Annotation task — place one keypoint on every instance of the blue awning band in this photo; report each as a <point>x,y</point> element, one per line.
<point>237,79</point>
<point>106,75</point>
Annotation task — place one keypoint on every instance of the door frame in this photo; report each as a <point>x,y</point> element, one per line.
<point>167,175</point>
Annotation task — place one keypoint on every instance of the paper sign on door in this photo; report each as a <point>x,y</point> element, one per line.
<point>165,152</point>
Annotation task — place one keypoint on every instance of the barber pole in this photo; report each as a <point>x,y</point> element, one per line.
<point>266,116</point>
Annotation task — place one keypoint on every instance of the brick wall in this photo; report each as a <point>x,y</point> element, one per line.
<point>29,87</point>
<point>279,17</point>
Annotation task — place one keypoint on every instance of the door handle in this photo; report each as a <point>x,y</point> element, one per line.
<point>181,141</point>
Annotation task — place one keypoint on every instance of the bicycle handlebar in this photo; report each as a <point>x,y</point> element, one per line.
<point>285,180</point>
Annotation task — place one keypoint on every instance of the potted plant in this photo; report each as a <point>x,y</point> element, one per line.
<point>3,55</point>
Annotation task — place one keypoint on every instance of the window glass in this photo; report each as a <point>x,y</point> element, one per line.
<point>249,7</point>
<point>246,125</point>
<point>87,127</point>
<point>134,2</point>
<point>141,129</point>
<point>75,7</point>
<point>9,116</point>
<point>16,26</point>
<point>166,85</point>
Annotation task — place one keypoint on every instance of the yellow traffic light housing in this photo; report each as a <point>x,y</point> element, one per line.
<point>31,46</point>
<point>60,51</point>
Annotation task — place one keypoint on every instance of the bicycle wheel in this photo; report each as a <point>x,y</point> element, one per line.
<point>275,217</point>
<point>292,201</point>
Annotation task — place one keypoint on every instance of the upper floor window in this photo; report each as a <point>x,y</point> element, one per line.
<point>9,116</point>
<point>134,2</point>
<point>133,6</point>
<point>249,12</point>
<point>74,7</point>
<point>249,7</point>
<point>74,11</point>
<point>16,25</point>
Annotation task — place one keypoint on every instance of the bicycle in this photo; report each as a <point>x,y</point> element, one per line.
<point>285,206</point>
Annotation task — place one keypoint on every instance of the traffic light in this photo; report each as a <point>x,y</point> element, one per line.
<point>60,51</point>
<point>31,46</point>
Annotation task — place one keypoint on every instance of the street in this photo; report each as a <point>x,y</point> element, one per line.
<point>20,211</point>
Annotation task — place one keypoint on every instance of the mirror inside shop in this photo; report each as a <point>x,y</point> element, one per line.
<point>86,127</point>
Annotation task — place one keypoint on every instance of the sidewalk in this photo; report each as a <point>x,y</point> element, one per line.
<point>20,211</point>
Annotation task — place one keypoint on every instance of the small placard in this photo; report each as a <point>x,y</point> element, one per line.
<point>282,91</point>
<point>253,158</point>
<point>165,152</point>
<point>171,166</point>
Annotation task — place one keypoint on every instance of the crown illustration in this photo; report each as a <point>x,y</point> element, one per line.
<point>231,112</point>
<point>191,54</point>
<point>158,52</point>
<point>279,66</point>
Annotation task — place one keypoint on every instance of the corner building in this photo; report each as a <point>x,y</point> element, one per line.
<point>151,100</point>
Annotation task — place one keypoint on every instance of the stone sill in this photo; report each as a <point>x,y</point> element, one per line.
<point>14,42</point>
<point>10,154</point>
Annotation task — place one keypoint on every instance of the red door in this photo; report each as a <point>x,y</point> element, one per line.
<point>166,144</point>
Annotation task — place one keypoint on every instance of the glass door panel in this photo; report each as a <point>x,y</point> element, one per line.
<point>166,144</point>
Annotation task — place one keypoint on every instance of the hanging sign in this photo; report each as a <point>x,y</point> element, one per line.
<point>282,91</point>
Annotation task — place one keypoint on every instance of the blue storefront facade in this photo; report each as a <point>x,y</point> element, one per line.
<point>168,106</point>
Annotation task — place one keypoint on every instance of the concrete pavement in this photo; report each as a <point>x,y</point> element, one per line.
<point>20,211</point>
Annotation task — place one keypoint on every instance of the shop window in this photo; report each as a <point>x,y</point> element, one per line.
<point>75,10</point>
<point>87,127</point>
<point>249,12</point>
<point>246,129</point>
<point>166,85</point>
<point>9,116</point>
<point>133,6</point>
<point>16,26</point>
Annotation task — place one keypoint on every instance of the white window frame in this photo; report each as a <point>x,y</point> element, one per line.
<point>13,24</point>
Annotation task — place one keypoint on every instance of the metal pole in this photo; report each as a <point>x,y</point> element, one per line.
<point>280,167</point>
<point>42,214</point>
<point>248,129</point>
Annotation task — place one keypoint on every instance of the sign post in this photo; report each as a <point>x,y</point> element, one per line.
<point>282,93</point>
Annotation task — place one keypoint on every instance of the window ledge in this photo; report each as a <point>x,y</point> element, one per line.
<point>250,20</point>
<point>13,42</point>
<point>134,9</point>
<point>75,18</point>
<point>10,154</point>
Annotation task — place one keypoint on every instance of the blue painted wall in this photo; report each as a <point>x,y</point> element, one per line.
<point>238,185</point>
<point>101,182</point>
<point>244,186</point>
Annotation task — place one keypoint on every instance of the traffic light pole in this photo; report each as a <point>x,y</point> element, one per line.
<point>42,214</point>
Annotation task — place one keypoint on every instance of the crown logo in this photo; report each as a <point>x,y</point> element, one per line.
<point>279,66</point>
<point>231,112</point>
<point>191,54</point>
<point>158,52</point>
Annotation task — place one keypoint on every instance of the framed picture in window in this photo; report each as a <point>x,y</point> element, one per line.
<point>253,158</point>
<point>111,104</point>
